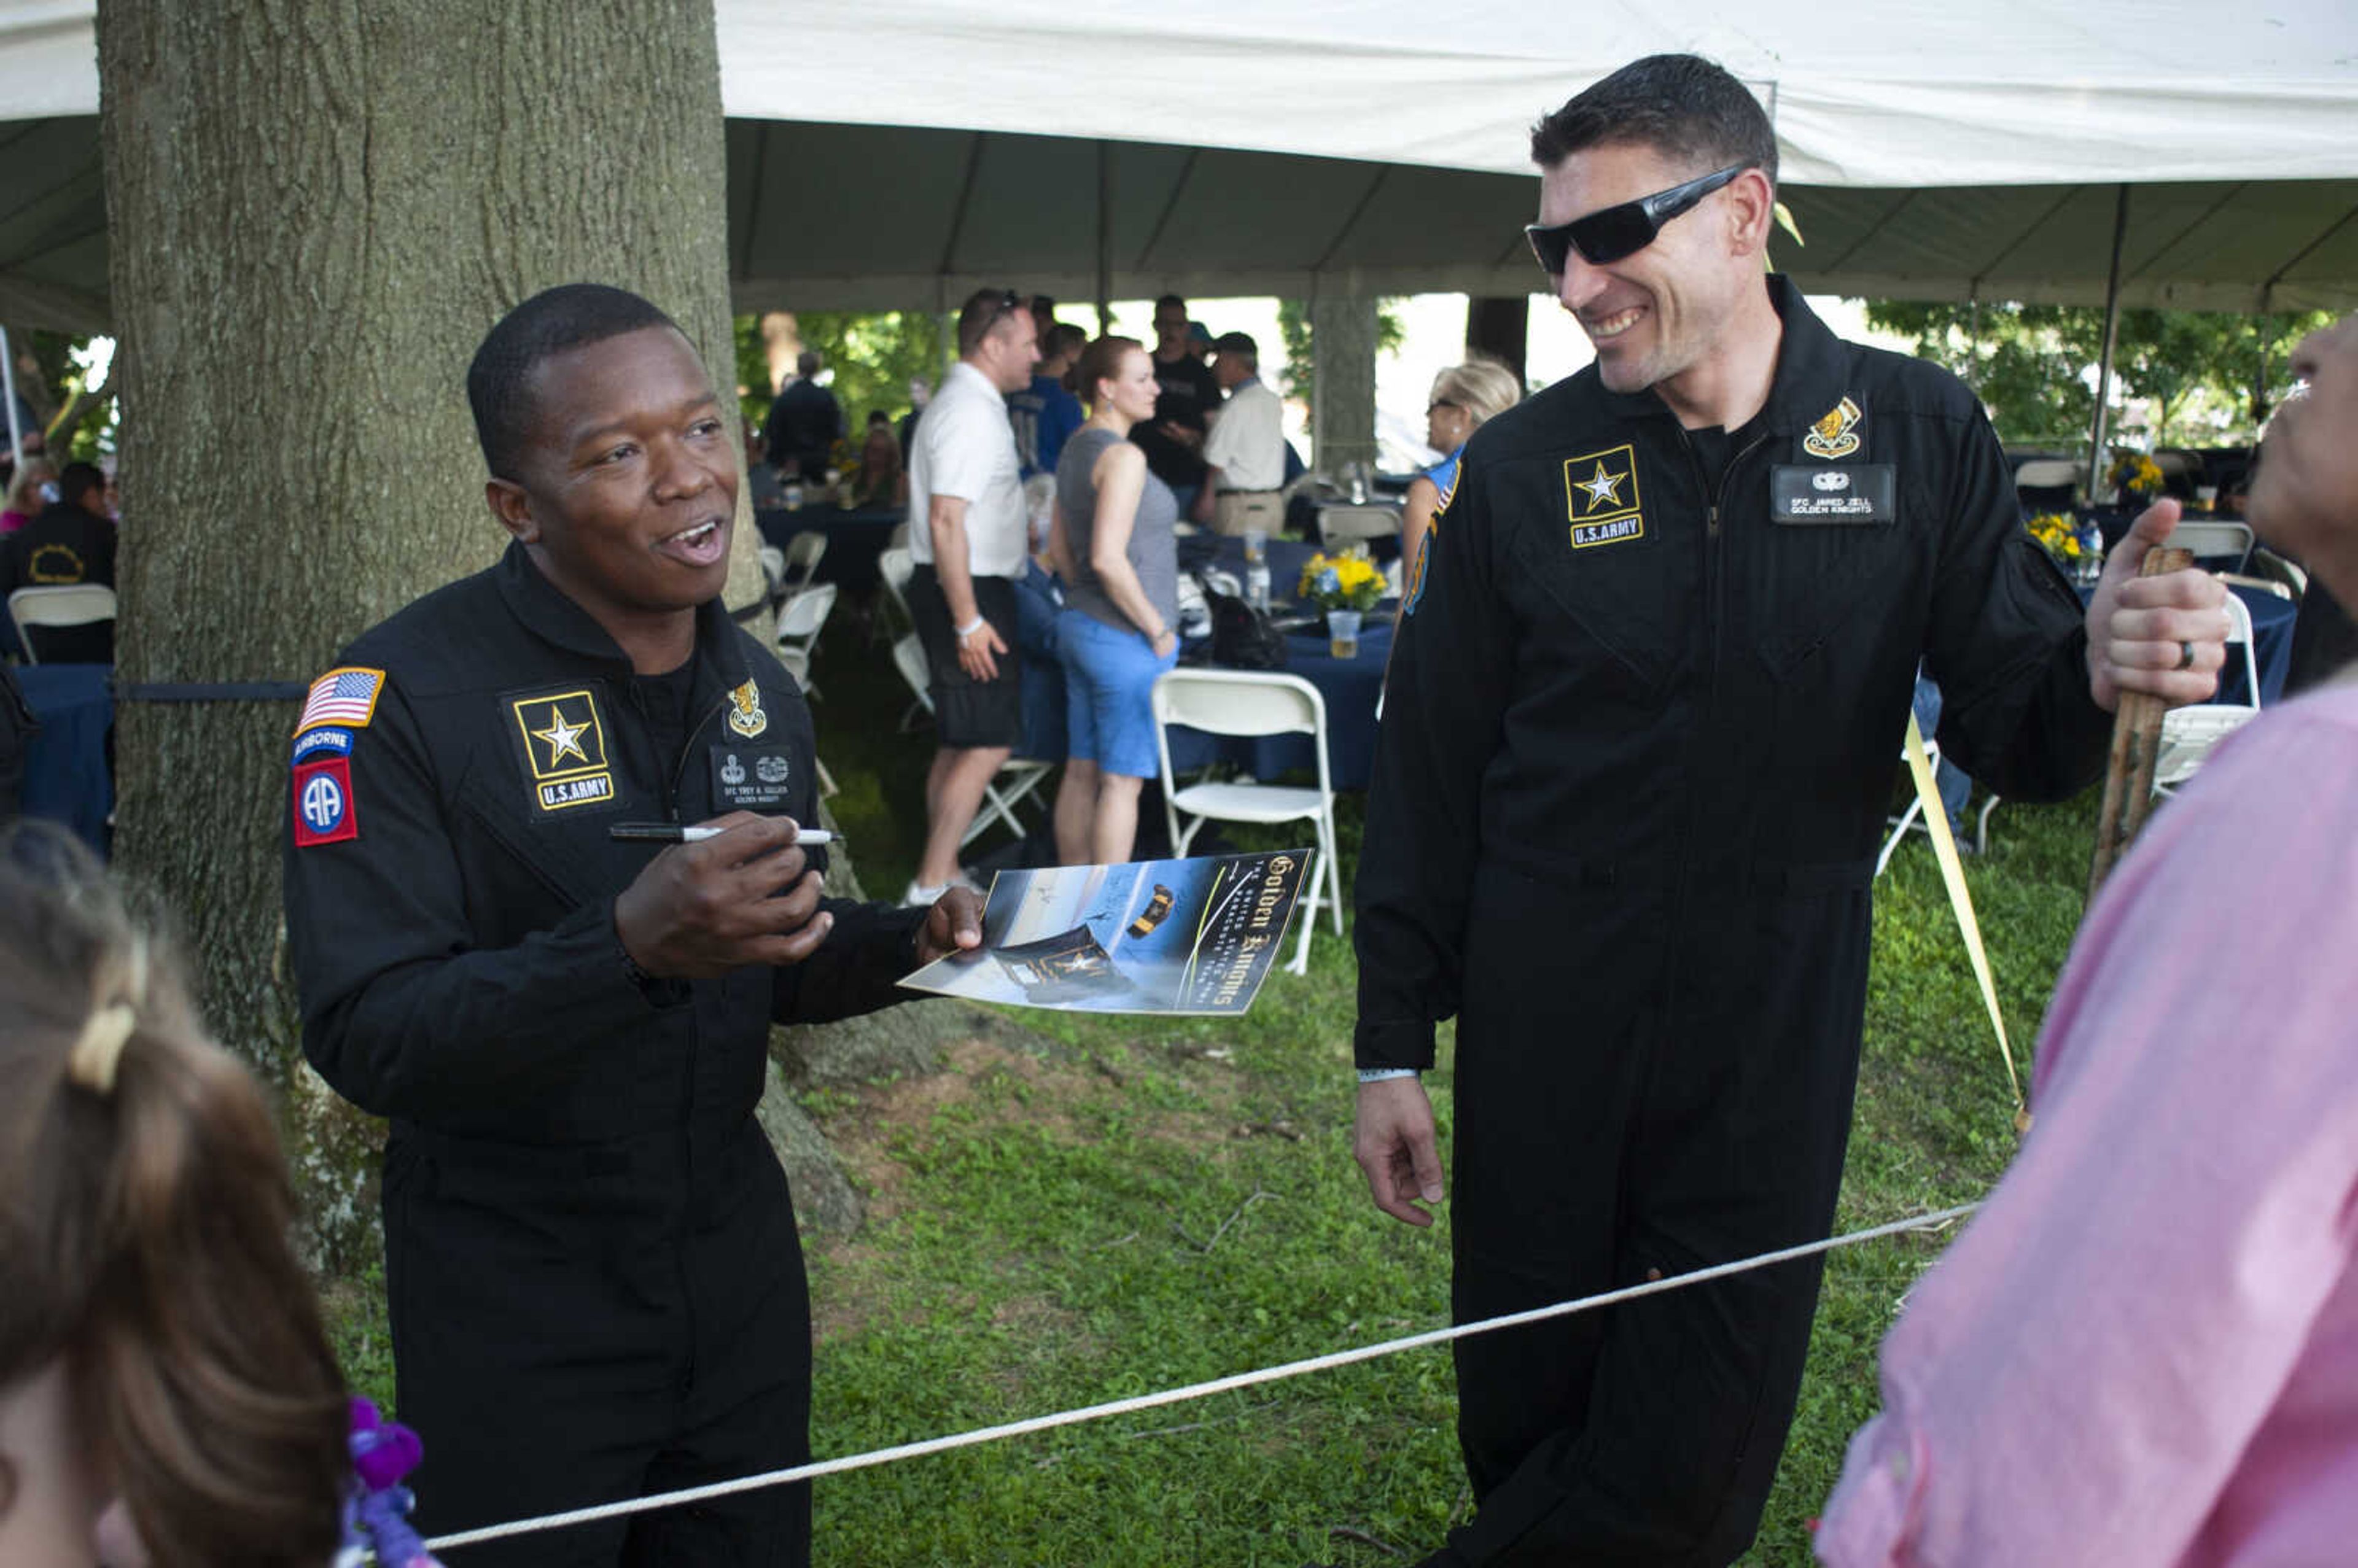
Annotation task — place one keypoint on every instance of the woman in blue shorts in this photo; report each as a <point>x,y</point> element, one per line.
<point>1114,546</point>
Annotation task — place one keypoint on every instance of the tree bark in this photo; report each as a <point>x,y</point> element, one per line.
<point>320,207</point>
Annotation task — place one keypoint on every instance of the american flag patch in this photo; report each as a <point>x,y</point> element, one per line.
<point>346,696</point>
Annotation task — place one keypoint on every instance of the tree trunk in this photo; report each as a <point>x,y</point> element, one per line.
<point>318,210</point>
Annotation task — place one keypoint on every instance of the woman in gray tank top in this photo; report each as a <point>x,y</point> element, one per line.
<point>1113,544</point>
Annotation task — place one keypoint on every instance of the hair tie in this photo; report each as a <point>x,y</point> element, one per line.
<point>98,1049</point>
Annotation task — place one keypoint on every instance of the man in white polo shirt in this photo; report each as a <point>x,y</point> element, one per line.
<point>968,533</point>
<point>1246,447</point>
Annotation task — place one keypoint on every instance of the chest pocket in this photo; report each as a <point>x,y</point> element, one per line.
<point>1808,580</point>
<point>1599,542</point>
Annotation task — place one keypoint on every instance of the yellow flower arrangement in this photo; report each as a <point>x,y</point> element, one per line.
<point>2137,474</point>
<point>2058,533</point>
<point>1345,581</point>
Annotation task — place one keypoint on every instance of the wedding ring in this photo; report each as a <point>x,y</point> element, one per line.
<point>2185,655</point>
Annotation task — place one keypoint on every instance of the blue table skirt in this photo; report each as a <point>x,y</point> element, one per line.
<point>67,778</point>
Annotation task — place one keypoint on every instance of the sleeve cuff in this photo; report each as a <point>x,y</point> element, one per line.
<point>1394,1043</point>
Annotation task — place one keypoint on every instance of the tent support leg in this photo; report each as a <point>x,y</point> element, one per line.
<point>2112,335</point>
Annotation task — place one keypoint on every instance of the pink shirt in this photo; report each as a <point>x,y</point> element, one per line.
<point>2145,1349</point>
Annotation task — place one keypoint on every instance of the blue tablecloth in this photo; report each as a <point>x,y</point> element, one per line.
<point>854,539</point>
<point>67,778</point>
<point>1348,687</point>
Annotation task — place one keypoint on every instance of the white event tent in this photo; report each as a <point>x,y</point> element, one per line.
<point>898,156</point>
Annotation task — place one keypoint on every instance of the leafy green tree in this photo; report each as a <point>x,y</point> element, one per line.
<point>874,356</point>
<point>2210,376</point>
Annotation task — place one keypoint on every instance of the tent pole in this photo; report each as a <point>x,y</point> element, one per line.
<point>2112,334</point>
<point>1105,239</point>
<point>8,382</point>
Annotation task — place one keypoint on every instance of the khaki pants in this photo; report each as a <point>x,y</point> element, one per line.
<point>1240,510</point>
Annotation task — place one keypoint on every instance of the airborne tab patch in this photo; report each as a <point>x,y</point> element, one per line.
<point>565,747</point>
<point>1600,497</point>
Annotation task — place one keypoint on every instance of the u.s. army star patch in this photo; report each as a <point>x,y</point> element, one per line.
<point>565,743</point>
<point>1600,497</point>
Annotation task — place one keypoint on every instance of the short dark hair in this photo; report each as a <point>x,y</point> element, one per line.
<point>78,480</point>
<point>1686,108</point>
<point>808,363</point>
<point>1101,361</point>
<point>1170,302</point>
<point>571,315</point>
<point>1239,343</point>
<point>985,309</point>
<point>1062,338</point>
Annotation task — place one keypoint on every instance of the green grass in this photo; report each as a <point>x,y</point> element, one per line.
<point>1079,1209</point>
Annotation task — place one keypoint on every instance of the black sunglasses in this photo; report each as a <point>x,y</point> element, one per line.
<point>1609,233</point>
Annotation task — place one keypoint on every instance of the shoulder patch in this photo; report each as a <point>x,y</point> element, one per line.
<point>346,696</point>
<point>323,803</point>
<point>1456,475</point>
<point>1419,568</point>
<point>322,740</point>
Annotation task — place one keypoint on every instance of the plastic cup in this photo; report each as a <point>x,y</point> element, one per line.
<point>2206,496</point>
<point>1256,546</point>
<point>1342,633</point>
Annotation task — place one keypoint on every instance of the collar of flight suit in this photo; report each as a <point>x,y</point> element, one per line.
<point>1812,371</point>
<point>545,611</point>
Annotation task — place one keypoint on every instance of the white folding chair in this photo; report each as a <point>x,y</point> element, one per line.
<point>799,621</point>
<point>57,606</point>
<point>2214,539</point>
<point>894,567</point>
<point>802,553</point>
<point>1017,777</point>
<point>1250,703</point>
<point>2048,484</point>
<point>2189,734</point>
<point>1350,525</point>
<point>2268,565</point>
<point>774,571</point>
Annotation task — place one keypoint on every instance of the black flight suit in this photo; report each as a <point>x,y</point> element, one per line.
<point>1636,751</point>
<point>595,1282</point>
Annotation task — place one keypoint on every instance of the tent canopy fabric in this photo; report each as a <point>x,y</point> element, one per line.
<point>899,156</point>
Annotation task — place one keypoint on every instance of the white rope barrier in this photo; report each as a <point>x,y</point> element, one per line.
<point>1181,1395</point>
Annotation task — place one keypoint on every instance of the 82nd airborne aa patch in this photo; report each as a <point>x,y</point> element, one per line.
<point>1600,497</point>
<point>564,745</point>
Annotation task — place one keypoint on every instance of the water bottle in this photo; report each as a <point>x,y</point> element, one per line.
<point>1256,585</point>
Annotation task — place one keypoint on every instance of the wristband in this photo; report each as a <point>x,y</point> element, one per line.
<point>972,627</point>
<point>1379,1074</point>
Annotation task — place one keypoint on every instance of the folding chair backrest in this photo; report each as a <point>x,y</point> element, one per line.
<point>1343,525</point>
<point>2214,539</point>
<point>909,658</point>
<point>70,604</point>
<point>1239,702</point>
<point>2047,473</point>
<point>803,554</point>
<point>2239,629</point>
<point>896,567</point>
<point>806,612</point>
<point>773,566</point>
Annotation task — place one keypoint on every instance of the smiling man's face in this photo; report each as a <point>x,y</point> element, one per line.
<point>1658,312</point>
<point>626,488</point>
